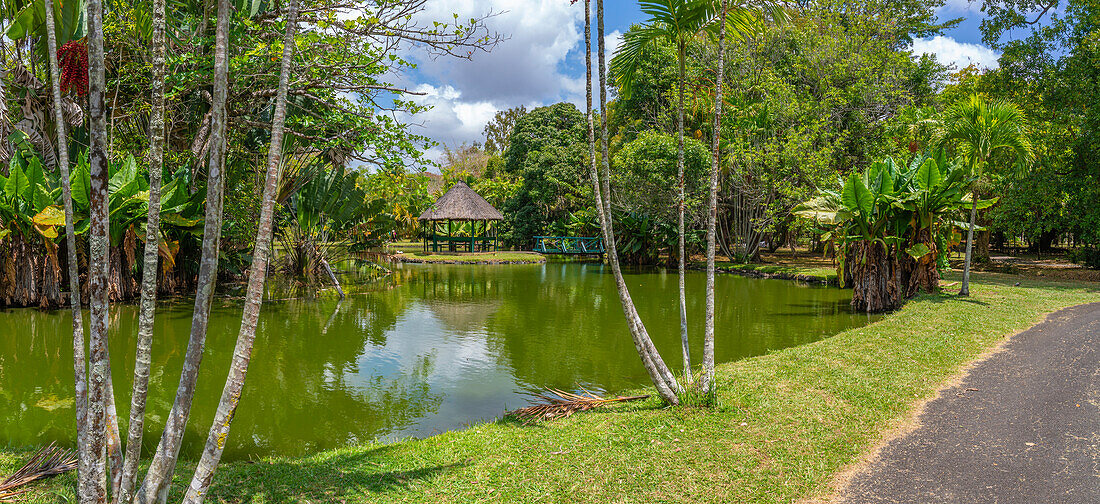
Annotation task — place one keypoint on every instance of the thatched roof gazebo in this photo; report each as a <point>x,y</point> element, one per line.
<point>460,219</point>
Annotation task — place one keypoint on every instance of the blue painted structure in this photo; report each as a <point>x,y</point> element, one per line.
<point>569,245</point>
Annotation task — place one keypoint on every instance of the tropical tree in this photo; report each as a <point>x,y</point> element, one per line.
<point>143,352</point>
<point>891,225</point>
<point>663,378</point>
<point>155,487</point>
<point>712,205</point>
<point>676,21</point>
<point>80,398</point>
<point>979,129</point>
<point>679,22</point>
<point>242,354</point>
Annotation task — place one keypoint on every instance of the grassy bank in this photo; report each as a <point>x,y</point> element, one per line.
<point>785,423</point>
<point>470,257</point>
<point>800,271</point>
<point>413,252</point>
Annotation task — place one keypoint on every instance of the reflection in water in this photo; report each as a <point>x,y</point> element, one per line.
<point>427,349</point>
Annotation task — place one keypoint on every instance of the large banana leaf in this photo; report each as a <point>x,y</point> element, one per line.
<point>857,197</point>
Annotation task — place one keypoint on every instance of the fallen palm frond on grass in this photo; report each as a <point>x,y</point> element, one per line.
<point>561,404</point>
<point>46,462</point>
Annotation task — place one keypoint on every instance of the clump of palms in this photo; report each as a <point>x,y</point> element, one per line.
<point>979,129</point>
<point>679,22</point>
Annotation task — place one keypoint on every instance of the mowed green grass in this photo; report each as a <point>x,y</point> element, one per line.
<point>414,252</point>
<point>824,273</point>
<point>473,258</point>
<point>784,424</point>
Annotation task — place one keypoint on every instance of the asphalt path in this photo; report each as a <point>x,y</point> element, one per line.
<point>1023,426</point>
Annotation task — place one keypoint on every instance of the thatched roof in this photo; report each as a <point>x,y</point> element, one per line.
<point>462,204</point>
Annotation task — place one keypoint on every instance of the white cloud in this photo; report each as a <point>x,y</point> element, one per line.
<point>529,68</point>
<point>961,54</point>
<point>451,120</point>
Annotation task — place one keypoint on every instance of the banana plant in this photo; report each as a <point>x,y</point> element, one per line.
<point>26,205</point>
<point>903,212</point>
<point>128,198</point>
<point>935,198</point>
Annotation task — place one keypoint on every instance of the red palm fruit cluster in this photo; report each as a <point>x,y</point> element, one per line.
<point>73,59</point>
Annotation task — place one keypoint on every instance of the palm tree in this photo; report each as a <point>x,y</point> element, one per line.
<point>143,353</point>
<point>979,129</point>
<point>659,374</point>
<point>95,446</point>
<point>79,364</point>
<point>712,206</point>
<point>242,354</point>
<point>163,465</point>
<point>677,22</point>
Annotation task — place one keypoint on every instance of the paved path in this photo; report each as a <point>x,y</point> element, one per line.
<point>1022,427</point>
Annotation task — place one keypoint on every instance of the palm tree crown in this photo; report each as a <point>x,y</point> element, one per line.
<point>980,128</point>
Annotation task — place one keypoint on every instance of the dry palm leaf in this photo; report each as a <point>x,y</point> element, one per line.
<point>561,404</point>
<point>47,462</point>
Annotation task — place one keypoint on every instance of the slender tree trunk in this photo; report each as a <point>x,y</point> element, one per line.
<point>712,210</point>
<point>662,377</point>
<point>242,354</point>
<point>114,441</point>
<point>969,245</point>
<point>98,268</point>
<point>332,276</point>
<point>143,353</point>
<point>155,486</point>
<point>680,221</point>
<point>80,400</point>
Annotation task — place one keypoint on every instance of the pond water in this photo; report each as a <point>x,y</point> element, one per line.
<point>424,350</point>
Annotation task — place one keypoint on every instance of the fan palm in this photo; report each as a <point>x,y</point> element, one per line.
<point>979,129</point>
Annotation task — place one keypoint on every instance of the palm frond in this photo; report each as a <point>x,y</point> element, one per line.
<point>560,404</point>
<point>46,462</point>
<point>980,128</point>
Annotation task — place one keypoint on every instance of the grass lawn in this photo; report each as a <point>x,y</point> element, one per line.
<point>503,257</point>
<point>785,423</point>
<point>413,251</point>
<point>826,274</point>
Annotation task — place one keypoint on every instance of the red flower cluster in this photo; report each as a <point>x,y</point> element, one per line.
<point>73,59</point>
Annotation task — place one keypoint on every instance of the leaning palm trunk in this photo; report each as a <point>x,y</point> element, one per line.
<point>712,210</point>
<point>965,291</point>
<point>242,354</point>
<point>79,365</point>
<point>143,353</point>
<point>662,377</point>
<point>97,271</point>
<point>680,220</point>
<point>155,486</point>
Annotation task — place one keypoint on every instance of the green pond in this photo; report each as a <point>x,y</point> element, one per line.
<point>424,350</point>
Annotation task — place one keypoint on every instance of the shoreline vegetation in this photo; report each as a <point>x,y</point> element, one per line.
<point>503,257</point>
<point>786,423</point>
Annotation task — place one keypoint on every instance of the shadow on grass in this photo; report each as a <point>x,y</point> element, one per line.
<point>327,479</point>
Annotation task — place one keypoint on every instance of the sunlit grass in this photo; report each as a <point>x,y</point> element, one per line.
<point>820,273</point>
<point>784,423</point>
<point>472,258</point>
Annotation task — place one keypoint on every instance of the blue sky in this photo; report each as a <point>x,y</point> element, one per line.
<point>542,60</point>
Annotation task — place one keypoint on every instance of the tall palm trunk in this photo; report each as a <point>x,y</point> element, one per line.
<point>680,208</point>
<point>80,399</point>
<point>712,208</point>
<point>662,377</point>
<point>242,354</point>
<point>98,268</point>
<point>155,486</point>
<point>965,291</point>
<point>143,354</point>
